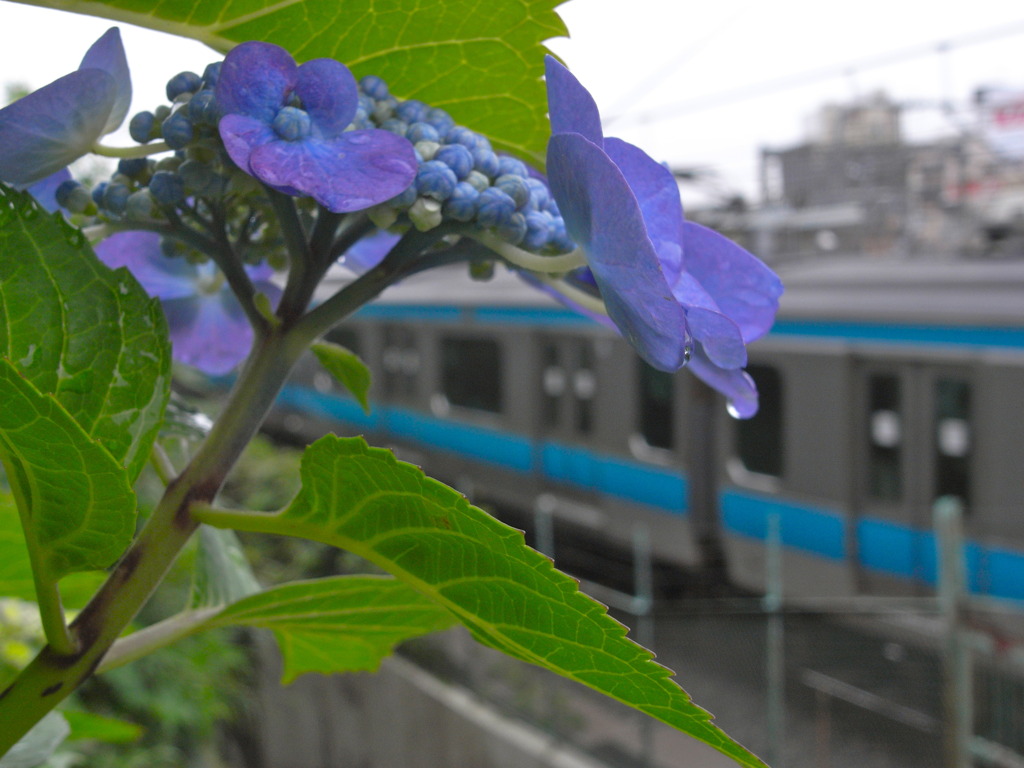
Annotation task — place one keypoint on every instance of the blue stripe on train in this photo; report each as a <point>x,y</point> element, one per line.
<point>882,546</point>
<point>889,333</point>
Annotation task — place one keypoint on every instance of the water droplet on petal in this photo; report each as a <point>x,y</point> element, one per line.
<point>730,408</point>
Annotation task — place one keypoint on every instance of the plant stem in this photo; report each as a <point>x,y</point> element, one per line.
<point>53,674</point>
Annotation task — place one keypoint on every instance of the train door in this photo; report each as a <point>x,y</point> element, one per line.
<point>916,445</point>
<point>568,385</point>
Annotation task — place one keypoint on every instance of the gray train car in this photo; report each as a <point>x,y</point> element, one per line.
<point>884,386</point>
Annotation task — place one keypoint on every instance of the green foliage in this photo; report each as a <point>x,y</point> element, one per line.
<point>16,569</point>
<point>84,378</point>
<point>77,507</point>
<point>347,368</point>
<point>109,730</point>
<point>73,329</point>
<point>482,60</point>
<point>509,596</point>
<point>339,624</point>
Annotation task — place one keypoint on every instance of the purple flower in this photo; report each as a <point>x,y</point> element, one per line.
<point>208,327</point>
<point>285,125</point>
<point>663,279</point>
<point>57,124</point>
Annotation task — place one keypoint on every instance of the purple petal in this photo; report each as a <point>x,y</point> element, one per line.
<point>209,332</point>
<point>370,251</point>
<point>603,217</point>
<point>159,276</point>
<point>735,384</point>
<point>255,80</point>
<point>241,135</point>
<point>350,173</point>
<point>107,54</point>
<point>570,106</point>
<point>741,285</point>
<point>45,191</point>
<point>48,129</point>
<point>656,191</point>
<point>329,94</point>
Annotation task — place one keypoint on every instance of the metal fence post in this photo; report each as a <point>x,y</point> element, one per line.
<point>958,694</point>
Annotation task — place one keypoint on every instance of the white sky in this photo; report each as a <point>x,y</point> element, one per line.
<point>647,59</point>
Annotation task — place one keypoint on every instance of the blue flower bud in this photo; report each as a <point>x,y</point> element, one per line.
<point>539,194</point>
<point>412,111</point>
<point>141,127</point>
<point>383,109</point>
<point>115,198</point>
<point>98,191</point>
<point>515,187</point>
<point>478,181</point>
<point>460,134</point>
<point>425,150</point>
<point>422,132</point>
<point>72,196</point>
<point>538,230</point>
<point>405,199</point>
<point>396,126</point>
<point>292,124</point>
<point>514,229</point>
<point>435,180</point>
<point>132,167</point>
<point>462,204</point>
<point>495,208</point>
<point>140,205</point>
<point>167,188</point>
<point>485,161</point>
<point>211,74</point>
<point>374,87</point>
<point>183,82</point>
<point>177,130</point>
<point>440,120</point>
<point>456,157</point>
<point>202,109</point>
<point>512,166</point>
<point>560,240</point>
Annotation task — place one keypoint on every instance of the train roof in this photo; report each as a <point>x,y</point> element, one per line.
<point>961,292</point>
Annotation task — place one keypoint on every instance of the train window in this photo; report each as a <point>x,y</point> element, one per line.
<point>471,373</point>
<point>885,437</point>
<point>759,439</point>
<point>952,444</point>
<point>584,384</point>
<point>656,407</point>
<point>552,382</point>
<point>400,360</point>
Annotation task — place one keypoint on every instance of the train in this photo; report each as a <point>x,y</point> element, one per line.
<point>885,385</point>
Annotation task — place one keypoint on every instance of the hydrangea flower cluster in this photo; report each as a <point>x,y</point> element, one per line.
<point>604,229</point>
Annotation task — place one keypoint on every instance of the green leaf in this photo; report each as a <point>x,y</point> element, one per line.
<point>337,624</point>
<point>37,745</point>
<point>75,329</point>
<point>222,573</point>
<point>509,596</point>
<point>86,725</point>
<point>76,503</point>
<point>347,368</point>
<point>16,569</point>
<point>482,60</point>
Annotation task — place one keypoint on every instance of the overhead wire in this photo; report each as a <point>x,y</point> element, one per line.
<point>798,79</point>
